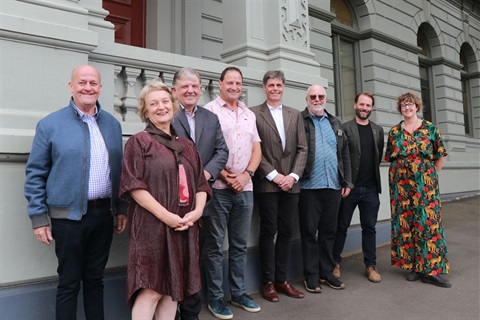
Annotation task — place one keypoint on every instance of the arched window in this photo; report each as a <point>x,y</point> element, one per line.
<point>345,59</point>
<point>424,60</point>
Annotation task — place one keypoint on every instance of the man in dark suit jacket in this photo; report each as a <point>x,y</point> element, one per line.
<point>203,128</point>
<point>284,154</point>
<point>365,144</point>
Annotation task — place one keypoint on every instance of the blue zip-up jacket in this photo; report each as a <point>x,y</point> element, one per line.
<point>59,165</point>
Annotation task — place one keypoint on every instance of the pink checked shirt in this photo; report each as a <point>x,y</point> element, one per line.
<point>240,132</point>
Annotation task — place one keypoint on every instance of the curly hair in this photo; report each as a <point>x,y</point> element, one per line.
<point>409,97</point>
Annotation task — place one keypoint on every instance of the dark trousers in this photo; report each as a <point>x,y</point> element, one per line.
<point>278,211</point>
<point>191,307</point>
<point>367,200</point>
<point>82,249</point>
<point>318,217</point>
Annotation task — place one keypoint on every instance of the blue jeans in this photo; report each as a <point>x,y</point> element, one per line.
<point>232,212</point>
<point>82,249</point>
<point>368,202</point>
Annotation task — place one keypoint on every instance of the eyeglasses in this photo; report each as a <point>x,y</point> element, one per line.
<point>407,105</point>
<point>315,96</point>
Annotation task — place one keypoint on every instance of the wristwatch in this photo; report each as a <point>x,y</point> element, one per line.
<point>250,172</point>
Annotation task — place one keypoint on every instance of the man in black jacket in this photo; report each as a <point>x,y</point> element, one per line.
<point>326,179</point>
<point>365,143</point>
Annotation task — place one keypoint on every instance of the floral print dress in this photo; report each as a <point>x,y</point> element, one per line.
<point>418,241</point>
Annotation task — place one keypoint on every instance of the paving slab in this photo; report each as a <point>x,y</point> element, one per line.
<point>394,297</point>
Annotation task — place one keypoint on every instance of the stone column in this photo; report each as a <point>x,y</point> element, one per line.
<point>96,19</point>
<point>267,34</point>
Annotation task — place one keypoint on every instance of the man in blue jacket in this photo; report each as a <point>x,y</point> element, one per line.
<point>73,175</point>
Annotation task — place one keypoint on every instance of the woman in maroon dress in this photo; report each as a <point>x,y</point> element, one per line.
<point>162,176</point>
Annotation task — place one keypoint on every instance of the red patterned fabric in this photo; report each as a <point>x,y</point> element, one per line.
<point>183,194</point>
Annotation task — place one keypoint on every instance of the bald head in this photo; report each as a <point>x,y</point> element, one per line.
<point>85,87</point>
<point>85,68</point>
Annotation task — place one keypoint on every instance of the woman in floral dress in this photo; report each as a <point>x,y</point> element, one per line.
<point>416,152</point>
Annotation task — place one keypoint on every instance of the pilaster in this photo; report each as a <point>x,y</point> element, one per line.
<point>268,35</point>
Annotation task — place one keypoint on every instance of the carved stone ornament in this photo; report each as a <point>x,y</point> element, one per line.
<point>295,22</point>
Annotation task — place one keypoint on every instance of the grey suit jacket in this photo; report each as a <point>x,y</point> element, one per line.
<point>290,160</point>
<point>351,131</point>
<point>208,138</point>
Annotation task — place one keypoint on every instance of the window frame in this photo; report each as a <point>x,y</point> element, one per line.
<point>425,62</point>
<point>465,77</point>
<point>340,103</point>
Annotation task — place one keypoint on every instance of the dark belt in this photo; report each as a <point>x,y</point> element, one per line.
<point>99,202</point>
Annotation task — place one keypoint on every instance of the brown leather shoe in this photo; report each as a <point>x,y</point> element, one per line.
<point>269,292</point>
<point>372,274</point>
<point>336,271</point>
<point>289,290</point>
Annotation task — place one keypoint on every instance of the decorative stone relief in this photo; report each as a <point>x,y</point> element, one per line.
<point>294,16</point>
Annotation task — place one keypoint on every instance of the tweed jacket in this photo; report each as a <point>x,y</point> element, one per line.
<point>351,131</point>
<point>290,160</point>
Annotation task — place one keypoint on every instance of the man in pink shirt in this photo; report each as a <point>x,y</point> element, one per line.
<point>232,201</point>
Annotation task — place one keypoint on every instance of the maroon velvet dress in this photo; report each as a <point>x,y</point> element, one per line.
<point>160,258</point>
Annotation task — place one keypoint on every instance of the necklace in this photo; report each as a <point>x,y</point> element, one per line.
<point>413,127</point>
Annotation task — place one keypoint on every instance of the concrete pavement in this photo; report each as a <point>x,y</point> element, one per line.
<point>394,297</point>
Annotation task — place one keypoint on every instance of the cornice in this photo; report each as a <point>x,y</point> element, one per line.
<point>471,75</point>
<point>378,35</point>
<point>321,14</point>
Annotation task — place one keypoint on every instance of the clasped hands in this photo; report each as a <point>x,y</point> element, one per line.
<point>284,182</point>
<point>181,224</point>
<point>235,181</point>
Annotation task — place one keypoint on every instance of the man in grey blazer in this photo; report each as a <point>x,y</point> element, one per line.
<point>203,128</point>
<point>284,154</point>
<point>365,144</point>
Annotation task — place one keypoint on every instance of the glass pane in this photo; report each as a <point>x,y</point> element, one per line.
<point>466,114</point>
<point>342,14</point>
<point>422,42</point>
<point>349,88</point>
<point>425,87</point>
<point>347,54</point>
<point>345,77</point>
<point>463,58</point>
<point>349,92</point>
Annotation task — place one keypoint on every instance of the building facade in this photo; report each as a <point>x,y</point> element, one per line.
<point>431,47</point>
